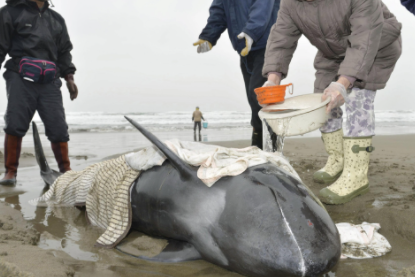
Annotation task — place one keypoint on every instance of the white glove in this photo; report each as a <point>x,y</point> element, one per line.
<point>338,94</point>
<point>249,41</point>
<point>203,46</point>
<point>269,84</point>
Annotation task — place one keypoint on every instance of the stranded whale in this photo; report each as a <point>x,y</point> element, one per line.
<point>263,222</point>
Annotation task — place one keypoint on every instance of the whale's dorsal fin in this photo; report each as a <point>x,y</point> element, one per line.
<point>182,167</point>
<point>48,175</point>
<point>40,156</point>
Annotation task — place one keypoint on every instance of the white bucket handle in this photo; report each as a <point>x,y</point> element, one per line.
<point>292,89</point>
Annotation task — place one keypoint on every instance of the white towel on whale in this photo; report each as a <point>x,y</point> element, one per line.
<point>104,188</point>
<point>214,161</point>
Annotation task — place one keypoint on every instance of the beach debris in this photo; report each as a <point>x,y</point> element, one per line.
<point>27,155</point>
<point>362,241</point>
<point>81,157</point>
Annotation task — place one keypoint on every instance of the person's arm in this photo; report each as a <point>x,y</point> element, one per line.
<point>193,116</point>
<point>64,52</point>
<point>366,25</point>
<point>281,44</point>
<point>259,16</point>
<point>6,31</point>
<point>66,67</point>
<point>201,114</point>
<point>409,5</point>
<point>216,23</point>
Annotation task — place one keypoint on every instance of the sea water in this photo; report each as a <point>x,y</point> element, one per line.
<point>274,133</point>
<point>390,122</point>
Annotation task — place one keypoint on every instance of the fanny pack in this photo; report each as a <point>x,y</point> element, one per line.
<point>37,70</point>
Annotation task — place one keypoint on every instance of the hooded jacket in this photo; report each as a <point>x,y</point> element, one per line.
<point>253,17</point>
<point>356,38</point>
<point>25,30</point>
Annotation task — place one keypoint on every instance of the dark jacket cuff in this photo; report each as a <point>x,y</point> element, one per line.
<point>251,34</point>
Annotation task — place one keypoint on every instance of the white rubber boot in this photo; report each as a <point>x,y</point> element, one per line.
<point>353,181</point>
<point>333,143</point>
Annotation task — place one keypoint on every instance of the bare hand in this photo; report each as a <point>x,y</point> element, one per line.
<point>73,89</point>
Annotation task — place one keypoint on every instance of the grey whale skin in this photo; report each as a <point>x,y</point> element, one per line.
<point>263,222</point>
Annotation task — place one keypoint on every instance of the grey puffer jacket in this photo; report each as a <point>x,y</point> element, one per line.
<point>356,38</point>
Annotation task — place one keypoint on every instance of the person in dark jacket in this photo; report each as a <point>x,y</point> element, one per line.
<point>249,23</point>
<point>37,41</point>
<point>409,5</point>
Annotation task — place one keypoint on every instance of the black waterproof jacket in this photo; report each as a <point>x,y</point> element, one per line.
<point>27,31</point>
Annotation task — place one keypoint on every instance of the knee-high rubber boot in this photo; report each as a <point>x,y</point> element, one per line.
<point>333,142</point>
<point>12,148</point>
<point>353,181</point>
<point>61,151</point>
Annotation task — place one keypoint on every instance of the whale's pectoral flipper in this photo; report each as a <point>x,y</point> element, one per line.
<point>48,175</point>
<point>176,251</point>
<point>158,250</point>
<point>184,169</point>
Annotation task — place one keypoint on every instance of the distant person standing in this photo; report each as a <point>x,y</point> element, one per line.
<point>36,39</point>
<point>197,118</point>
<point>249,23</point>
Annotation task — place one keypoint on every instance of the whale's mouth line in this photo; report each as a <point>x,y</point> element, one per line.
<point>302,265</point>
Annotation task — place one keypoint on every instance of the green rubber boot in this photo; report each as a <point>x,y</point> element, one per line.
<point>353,181</point>
<point>333,143</point>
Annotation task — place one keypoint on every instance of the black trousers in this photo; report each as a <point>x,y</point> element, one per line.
<point>251,67</point>
<point>197,123</point>
<point>25,98</point>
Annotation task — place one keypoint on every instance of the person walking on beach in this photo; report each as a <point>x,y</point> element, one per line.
<point>197,118</point>
<point>249,23</point>
<point>359,43</point>
<point>37,40</point>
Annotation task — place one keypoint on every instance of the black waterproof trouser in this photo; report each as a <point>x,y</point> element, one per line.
<point>25,98</point>
<point>197,123</point>
<point>251,67</point>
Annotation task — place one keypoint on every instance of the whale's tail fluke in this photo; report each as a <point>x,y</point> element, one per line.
<point>48,175</point>
<point>184,169</point>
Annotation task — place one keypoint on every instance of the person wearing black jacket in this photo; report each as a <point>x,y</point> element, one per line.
<point>37,41</point>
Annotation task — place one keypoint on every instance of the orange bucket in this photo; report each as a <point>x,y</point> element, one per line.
<point>272,95</point>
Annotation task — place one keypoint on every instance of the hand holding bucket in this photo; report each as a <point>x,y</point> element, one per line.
<point>272,94</point>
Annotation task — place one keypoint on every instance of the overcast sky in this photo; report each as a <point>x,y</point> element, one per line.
<point>137,56</point>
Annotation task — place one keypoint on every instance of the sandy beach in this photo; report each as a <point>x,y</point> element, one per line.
<point>37,241</point>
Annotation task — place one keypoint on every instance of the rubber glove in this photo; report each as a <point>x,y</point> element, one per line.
<point>338,94</point>
<point>70,84</point>
<point>203,46</point>
<point>249,41</point>
<point>269,84</point>
<point>274,79</point>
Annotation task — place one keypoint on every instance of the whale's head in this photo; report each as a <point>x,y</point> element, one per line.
<point>263,222</point>
<point>273,225</point>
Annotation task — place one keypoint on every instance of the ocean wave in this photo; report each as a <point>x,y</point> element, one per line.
<point>176,120</point>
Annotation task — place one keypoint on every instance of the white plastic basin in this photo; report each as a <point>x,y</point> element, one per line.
<point>298,115</point>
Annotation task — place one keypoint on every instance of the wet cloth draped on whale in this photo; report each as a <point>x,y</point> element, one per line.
<point>104,188</point>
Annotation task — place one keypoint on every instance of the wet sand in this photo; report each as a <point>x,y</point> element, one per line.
<point>59,242</point>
